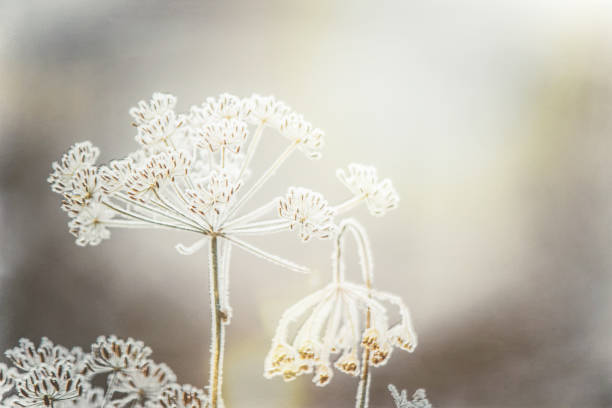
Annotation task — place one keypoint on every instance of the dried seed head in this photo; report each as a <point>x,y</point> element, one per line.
<point>159,105</point>
<point>47,384</point>
<point>362,181</point>
<point>111,354</point>
<point>268,111</point>
<point>79,156</point>
<point>228,134</point>
<point>309,212</point>
<point>308,139</point>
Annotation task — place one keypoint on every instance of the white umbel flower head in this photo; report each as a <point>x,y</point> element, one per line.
<point>227,106</point>
<point>27,356</point>
<point>160,130</point>
<point>308,212</point>
<point>115,175</point>
<point>47,385</point>
<point>362,181</point>
<point>143,385</point>
<point>111,354</point>
<point>90,225</point>
<point>308,139</point>
<point>229,134</point>
<point>217,194</point>
<point>80,156</point>
<point>159,105</point>
<point>268,111</point>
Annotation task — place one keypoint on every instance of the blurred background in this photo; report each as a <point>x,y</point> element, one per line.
<point>493,119</point>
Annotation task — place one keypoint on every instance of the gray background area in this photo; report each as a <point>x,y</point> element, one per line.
<point>494,120</point>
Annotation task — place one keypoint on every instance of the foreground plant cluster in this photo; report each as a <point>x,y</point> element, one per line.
<point>50,375</point>
<point>192,172</point>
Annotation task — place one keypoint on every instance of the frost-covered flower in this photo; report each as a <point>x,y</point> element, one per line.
<point>188,173</point>
<point>215,196</point>
<point>142,385</point>
<point>111,354</point>
<point>52,376</point>
<point>46,385</point>
<point>115,175</point>
<point>308,139</point>
<point>308,212</point>
<point>90,225</point>
<point>227,134</point>
<point>186,396</point>
<point>362,181</point>
<point>79,156</point>
<point>27,356</point>
<point>343,319</point>
<point>85,187</point>
<point>419,399</point>
<point>159,105</point>
<point>334,324</point>
<point>227,107</point>
<point>160,129</point>
<point>268,111</point>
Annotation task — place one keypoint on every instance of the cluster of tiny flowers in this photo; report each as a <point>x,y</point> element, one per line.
<point>362,181</point>
<point>191,172</point>
<point>419,399</point>
<point>344,319</point>
<point>53,376</point>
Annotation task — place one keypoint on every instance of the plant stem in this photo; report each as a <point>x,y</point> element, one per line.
<point>216,326</point>
<point>363,391</point>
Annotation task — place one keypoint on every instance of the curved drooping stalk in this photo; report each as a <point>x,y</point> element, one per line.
<point>365,258</point>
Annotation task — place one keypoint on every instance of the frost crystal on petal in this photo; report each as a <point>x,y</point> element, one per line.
<point>80,155</point>
<point>308,212</point>
<point>362,181</point>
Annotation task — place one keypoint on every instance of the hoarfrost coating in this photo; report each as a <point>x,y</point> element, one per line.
<point>192,172</point>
